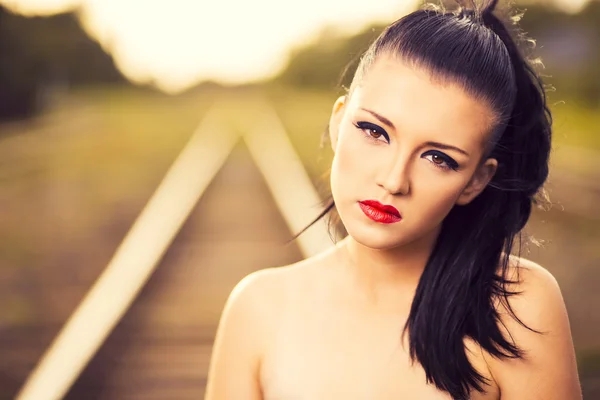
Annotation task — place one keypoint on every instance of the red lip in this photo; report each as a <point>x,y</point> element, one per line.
<point>380,212</point>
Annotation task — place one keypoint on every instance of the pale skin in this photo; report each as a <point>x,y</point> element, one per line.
<point>328,327</point>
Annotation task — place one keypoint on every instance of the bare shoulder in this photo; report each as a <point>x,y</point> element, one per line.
<point>277,283</point>
<point>247,324</point>
<point>548,367</point>
<point>271,285</point>
<point>531,275</point>
<point>538,301</point>
<point>263,294</point>
<point>261,285</point>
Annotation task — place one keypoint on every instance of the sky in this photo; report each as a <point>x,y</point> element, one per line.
<point>178,43</point>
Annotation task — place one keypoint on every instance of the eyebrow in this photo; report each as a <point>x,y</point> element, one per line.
<point>389,123</point>
<point>382,119</point>
<point>447,147</point>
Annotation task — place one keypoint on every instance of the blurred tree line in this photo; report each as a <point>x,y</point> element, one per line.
<point>42,55</point>
<point>568,44</point>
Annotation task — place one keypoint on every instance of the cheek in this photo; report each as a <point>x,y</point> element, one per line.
<point>435,195</point>
<point>350,165</point>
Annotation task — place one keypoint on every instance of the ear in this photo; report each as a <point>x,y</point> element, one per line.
<point>335,120</point>
<point>480,179</point>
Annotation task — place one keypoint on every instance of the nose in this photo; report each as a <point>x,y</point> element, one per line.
<point>395,177</point>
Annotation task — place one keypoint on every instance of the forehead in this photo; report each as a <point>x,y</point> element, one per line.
<point>414,102</point>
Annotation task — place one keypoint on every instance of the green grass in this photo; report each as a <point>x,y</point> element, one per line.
<point>575,125</point>
<point>94,151</point>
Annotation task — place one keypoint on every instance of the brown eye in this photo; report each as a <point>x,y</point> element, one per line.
<point>376,135</point>
<point>437,159</point>
<point>440,160</point>
<point>372,131</point>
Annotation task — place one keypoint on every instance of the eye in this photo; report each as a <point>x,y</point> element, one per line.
<point>441,160</point>
<point>373,131</point>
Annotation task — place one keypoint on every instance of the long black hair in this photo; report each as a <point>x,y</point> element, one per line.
<point>467,270</point>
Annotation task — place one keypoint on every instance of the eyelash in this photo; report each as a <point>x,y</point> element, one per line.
<point>450,163</point>
<point>367,126</point>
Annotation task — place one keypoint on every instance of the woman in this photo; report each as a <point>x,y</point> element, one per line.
<point>440,145</point>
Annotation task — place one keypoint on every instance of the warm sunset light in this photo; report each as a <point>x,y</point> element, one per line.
<point>178,43</point>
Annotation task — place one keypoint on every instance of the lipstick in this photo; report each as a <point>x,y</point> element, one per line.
<point>378,212</point>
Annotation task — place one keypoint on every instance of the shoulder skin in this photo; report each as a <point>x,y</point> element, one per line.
<point>244,329</point>
<point>548,370</point>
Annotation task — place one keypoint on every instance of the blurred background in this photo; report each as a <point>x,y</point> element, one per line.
<point>99,97</point>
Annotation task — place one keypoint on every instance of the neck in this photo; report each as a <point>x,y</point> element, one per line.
<point>386,278</point>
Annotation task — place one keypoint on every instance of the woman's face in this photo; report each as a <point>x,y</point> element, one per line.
<point>405,141</point>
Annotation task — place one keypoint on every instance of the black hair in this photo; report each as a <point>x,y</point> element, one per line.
<point>467,270</point>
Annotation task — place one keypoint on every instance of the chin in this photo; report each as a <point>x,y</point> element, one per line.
<point>376,238</point>
<point>374,244</point>
<point>375,235</point>
<point>380,236</point>
<point>378,242</point>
